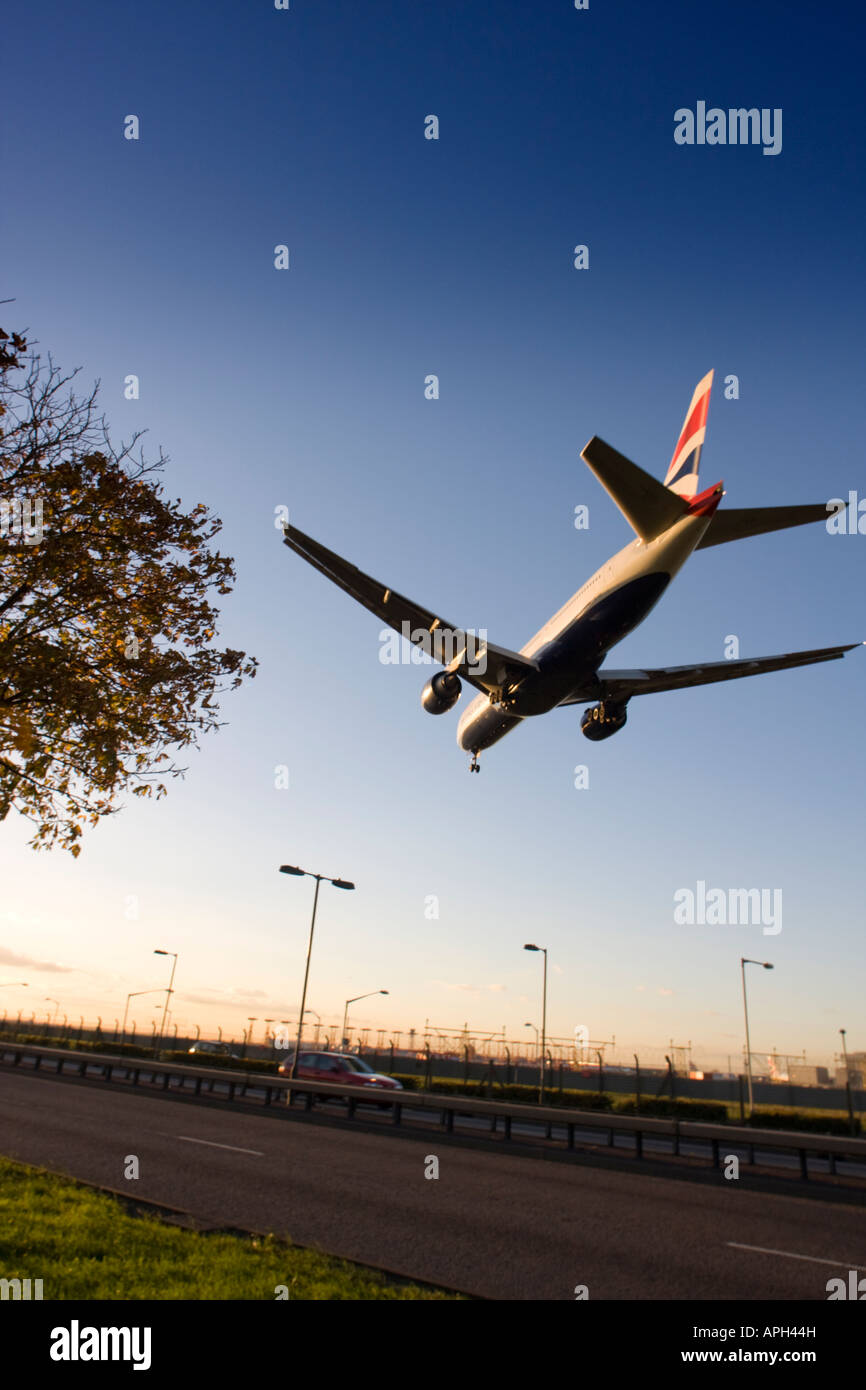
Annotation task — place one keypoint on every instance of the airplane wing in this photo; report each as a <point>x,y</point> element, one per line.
<point>622,685</point>
<point>469,654</point>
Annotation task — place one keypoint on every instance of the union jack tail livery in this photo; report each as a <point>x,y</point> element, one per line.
<point>682,476</point>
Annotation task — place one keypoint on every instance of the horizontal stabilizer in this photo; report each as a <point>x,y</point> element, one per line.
<point>624,685</point>
<point>647,505</point>
<point>735,523</point>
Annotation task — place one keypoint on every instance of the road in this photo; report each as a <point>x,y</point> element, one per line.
<point>494,1224</point>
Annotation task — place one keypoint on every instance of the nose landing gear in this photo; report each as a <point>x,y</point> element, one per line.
<point>473,766</point>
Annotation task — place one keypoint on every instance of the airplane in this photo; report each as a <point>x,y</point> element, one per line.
<point>562,664</point>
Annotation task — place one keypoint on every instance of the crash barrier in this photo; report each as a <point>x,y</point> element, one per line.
<point>503,1120</point>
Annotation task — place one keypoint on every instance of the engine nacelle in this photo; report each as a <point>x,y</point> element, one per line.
<point>600,721</point>
<point>441,693</point>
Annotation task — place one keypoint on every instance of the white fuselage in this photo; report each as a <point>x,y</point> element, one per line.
<point>572,644</point>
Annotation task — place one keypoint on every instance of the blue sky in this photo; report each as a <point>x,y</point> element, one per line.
<point>305,388</point>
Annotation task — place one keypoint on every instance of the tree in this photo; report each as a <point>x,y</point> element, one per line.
<point>107,656</point>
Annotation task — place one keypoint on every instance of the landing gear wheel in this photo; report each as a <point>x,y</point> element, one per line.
<point>473,766</point>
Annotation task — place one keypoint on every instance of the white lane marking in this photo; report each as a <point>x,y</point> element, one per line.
<point>789,1255</point>
<point>211,1145</point>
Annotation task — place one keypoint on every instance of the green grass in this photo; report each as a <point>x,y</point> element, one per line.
<point>86,1245</point>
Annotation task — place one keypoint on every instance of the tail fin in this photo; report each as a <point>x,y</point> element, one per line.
<point>682,476</point>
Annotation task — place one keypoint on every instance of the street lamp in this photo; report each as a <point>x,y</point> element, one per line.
<point>134,995</point>
<point>531,947</point>
<point>354,1001</point>
<point>767,966</point>
<point>843,1031</point>
<point>56,1002</point>
<point>170,989</point>
<point>337,883</point>
<point>535,1031</point>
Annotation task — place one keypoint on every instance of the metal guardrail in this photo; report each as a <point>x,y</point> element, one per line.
<point>500,1115</point>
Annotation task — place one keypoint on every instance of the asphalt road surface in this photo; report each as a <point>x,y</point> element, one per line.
<point>494,1224</point>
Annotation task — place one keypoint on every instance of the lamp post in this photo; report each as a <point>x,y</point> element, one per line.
<point>337,883</point>
<point>56,1003</point>
<point>169,991</point>
<point>133,995</point>
<point>354,1001</point>
<point>767,966</point>
<point>843,1031</point>
<point>530,946</point>
<point>535,1031</point>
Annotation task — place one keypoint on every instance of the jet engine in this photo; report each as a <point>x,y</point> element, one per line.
<point>600,721</point>
<point>441,693</point>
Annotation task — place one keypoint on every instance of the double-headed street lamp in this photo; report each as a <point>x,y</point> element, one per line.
<point>767,966</point>
<point>344,1034</point>
<point>169,991</point>
<point>531,947</point>
<point>337,883</point>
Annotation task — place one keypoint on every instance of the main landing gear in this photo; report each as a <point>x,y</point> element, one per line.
<point>473,766</point>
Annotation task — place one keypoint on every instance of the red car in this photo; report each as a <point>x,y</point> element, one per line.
<point>339,1068</point>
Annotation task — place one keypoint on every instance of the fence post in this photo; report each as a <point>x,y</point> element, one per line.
<point>636,1084</point>
<point>742,1101</point>
<point>427,1063</point>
